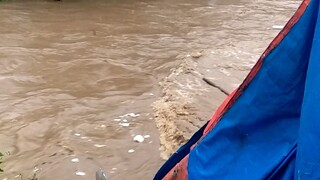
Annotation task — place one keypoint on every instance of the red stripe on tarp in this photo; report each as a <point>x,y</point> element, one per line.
<point>180,171</point>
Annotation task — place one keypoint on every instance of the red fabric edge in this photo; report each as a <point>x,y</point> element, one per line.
<point>180,170</point>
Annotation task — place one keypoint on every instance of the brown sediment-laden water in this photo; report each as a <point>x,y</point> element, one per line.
<point>80,79</point>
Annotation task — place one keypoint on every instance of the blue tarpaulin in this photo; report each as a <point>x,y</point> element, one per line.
<point>270,127</point>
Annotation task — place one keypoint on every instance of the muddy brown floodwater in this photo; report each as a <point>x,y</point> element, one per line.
<point>80,78</point>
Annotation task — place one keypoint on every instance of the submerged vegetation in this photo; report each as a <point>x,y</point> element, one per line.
<point>2,155</point>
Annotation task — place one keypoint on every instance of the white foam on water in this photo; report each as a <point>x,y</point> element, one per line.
<point>146,136</point>
<point>138,138</point>
<point>80,173</point>
<point>131,150</point>
<point>100,145</point>
<point>134,115</point>
<point>75,160</point>
<point>124,124</point>
<point>278,27</point>
<point>36,169</point>
<point>130,115</point>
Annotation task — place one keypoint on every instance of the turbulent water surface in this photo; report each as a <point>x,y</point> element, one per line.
<point>79,79</point>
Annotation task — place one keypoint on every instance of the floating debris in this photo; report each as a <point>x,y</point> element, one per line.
<point>124,124</point>
<point>18,176</point>
<point>75,160</point>
<point>216,86</point>
<point>196,54</point>
<point>134,115</point>
<point>146,136</point>
<point>117,120</point>
<point>77,134</point>
<point>131,150</point>
<point>79,173</point>
<point>278,27</point>
<point>138,138</point>
<point>100,145</point>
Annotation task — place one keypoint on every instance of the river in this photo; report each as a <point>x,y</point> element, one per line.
<point>80,78</point>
